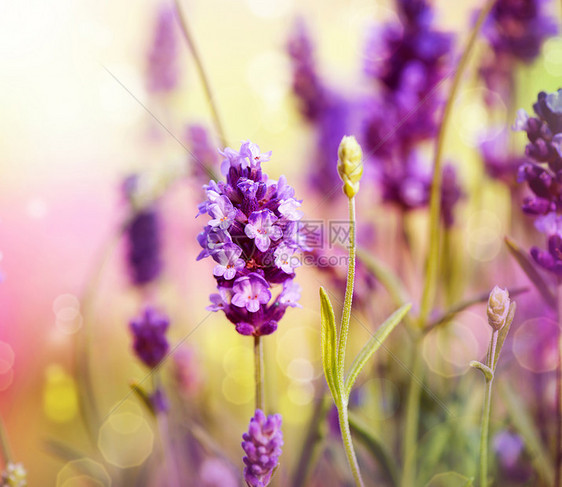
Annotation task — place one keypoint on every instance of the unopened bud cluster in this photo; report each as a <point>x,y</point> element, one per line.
<point>350,165</point>
<point>498,307</point>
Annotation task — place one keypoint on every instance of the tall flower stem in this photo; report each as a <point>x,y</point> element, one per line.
<point>202,73</point>
<point>311,447</point>
<point>347,443</point>
<point>412,418</point>
<point>346,313</point>
<point>4,444</point>
<point>258,373</point>
<point>432,260</point>
<point>486,413</point>
<point>558,455</point>
<point>342,343</point>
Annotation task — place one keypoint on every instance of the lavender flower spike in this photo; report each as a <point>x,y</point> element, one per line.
<point>262,445</point>
<point>253,236</point>
<point>149,333</point>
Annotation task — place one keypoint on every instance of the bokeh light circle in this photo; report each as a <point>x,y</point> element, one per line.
<point>126,439</point>
<point>472,120</point>
<point>449,349</point>
<point>67,312</point>
<point>535,344</point>
<point>483,234</point>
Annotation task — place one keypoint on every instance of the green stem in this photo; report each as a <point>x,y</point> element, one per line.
<point>258,373</point>
<point>486,414</point>
<point>311,445</point>
<point>412,419</point>
<point>347,443</point>
<point>202,73</point>
<point>432,261</point>
<point>346,313</point>
<point>342,343</point>
<point>4,444</point>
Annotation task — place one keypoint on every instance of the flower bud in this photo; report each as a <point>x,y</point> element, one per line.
<point>350,165</point>
<point>14,476</point>
<point>498,307</point>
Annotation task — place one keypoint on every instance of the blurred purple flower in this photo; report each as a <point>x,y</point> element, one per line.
<point>509,448</point>
<point>253,236</point>
<point>516,31</point>
<point>307,85</point>
<point>149,336</point>
<point>143,238</point>
<point>162,70</point>
<point>203,153</point>
<point>262,445</point>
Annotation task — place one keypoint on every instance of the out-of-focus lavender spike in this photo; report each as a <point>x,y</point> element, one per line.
<point>516,31</point>
<point>262,445</point>
<point>143,235</point>
<point>149,336</point>
<point>307,85</point>
<point>204,155</point>
<point>162,64</point>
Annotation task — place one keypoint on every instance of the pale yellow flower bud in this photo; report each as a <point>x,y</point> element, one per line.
<point>498,307</point>
<point>14,476</point>
<point>350,165</point>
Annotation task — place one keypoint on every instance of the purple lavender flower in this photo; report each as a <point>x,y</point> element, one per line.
<point>510,448</point>
<point>516,31</point>
<point>162,72</point>
<point>143,247</point>
<point>203,154</point>
<point>253,236</point>
<point>417,58</point>
<point>149,336</point>
<point>543,175</point>
<point>407,61</point>
<point>229,261</point>
<point>307,85</point>
<point>262,445</point>
<point>499,163</point>
<point>250,292</point>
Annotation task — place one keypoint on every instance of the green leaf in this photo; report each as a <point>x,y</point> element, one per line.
<point>529,268</point>
<point>450,479</point>
<point>372,346</point>
<point>329,345</point>
<point>502,335</point>
<point>487,371</point>
<point>376,446</point>
<point>143,396</point>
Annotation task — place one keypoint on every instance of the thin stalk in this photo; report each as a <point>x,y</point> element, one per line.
<point>346,313</point>
<point>202,73</point>
<point>486,414</point>
<point>432,261</point>
<point>410,446</point>
<point>4,444</point>
<point>558,456</point>
<point>342,343</point>
<point>348,444</point>
<point>258,373</point>
<point>311,446</point>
